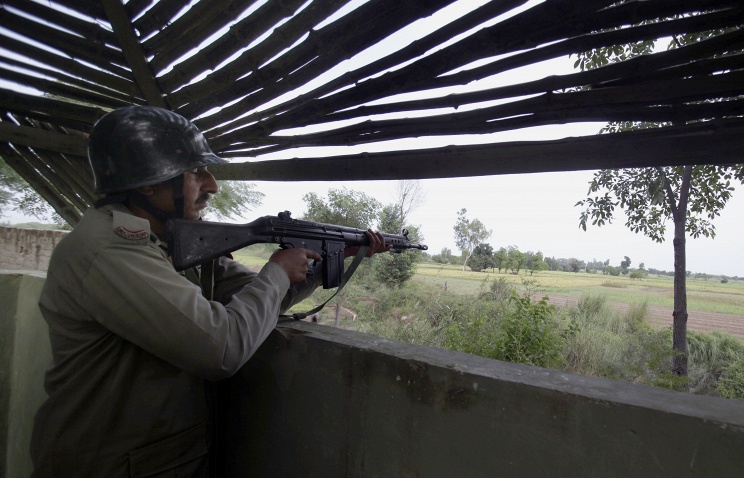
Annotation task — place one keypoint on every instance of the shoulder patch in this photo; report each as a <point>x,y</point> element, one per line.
<point>130,228</point>
<point>130,235</point>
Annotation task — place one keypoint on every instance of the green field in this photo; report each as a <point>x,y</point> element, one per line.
<point>702,295</point>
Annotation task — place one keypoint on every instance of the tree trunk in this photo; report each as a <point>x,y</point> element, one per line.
<point>679,213</point>
<point>679,340</point>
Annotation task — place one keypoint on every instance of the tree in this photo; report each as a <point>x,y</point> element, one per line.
<point>468,234</point>
<point>537,263</point>
<point>624,265</point>
<point>691,196</point>
<point>17,195</point>
<point>482,258</point>
<point>515,259</point>
<point>575,265</point>
<point>500,259</point>
<point>394,269</point>
<point>408,197</point>
<point>234,199</point>
<point>344,207</point>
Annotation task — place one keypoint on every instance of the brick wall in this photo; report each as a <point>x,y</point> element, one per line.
<point>27,249</point>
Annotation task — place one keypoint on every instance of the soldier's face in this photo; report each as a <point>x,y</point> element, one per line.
<point>198,186</point>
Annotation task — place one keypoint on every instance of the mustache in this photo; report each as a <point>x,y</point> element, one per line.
<point>203,198</point>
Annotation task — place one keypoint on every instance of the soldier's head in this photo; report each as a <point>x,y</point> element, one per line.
<point>154,158</point>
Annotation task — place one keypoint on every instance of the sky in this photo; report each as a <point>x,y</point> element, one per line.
<point>534,212</point>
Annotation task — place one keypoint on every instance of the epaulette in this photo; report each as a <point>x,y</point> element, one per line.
<point>131,229</point>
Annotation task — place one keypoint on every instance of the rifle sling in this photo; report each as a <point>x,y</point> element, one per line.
<point>347,275</point>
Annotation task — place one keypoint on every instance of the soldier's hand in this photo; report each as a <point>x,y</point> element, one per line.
<point>295,262</point>
<point>376,245</point>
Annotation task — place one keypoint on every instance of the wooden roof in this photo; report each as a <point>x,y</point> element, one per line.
<point>271,76</point>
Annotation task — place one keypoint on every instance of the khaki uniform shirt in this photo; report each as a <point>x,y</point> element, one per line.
<point>134,346</point>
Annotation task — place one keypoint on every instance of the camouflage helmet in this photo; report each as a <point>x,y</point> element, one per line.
<point>138,146</point>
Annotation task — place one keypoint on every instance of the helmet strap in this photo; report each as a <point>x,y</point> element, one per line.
<point>142,201</point>
<point>178,202</point>
<point>136,197</point>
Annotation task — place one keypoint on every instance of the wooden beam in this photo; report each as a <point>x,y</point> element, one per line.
<point>47,140</point>
<point>705,143</point>
<point>122,26</point>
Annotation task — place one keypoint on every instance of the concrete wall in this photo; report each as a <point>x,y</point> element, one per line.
<point>321,401</point>
<point>27,249</point>
<point>25,355</point>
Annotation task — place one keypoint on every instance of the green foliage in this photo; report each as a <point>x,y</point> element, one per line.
<point>344,207</point>
<point>528,333</point>
<point>482,258</point>
<point>515,259</point>
<point>731,381</point>
<point>395,269</point>
<point>638,274</point>
<point>714,355</point>
<point>469,234</point>
<point>16,194</point>
<point>234,199</point>
<point>537,263</point>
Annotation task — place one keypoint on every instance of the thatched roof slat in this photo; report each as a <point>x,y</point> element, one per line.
<point>413,50</point>
<point>71,45</point>
<point>78,189</point>
<point>600,77</point>
<point>161,13</point>
<point>60,89</point>
<point>86,8</point>
<point>64,113</point>
<point>637,149</point>
<point>71,66</point>
<point>37,138</point>
<point>167,48</point>
<point>499,39</point>
<point>637,102</point>
<point>135,8</point>
<point>64,78</point>
<point>598,40</point>
<point>322,50</point>
<point>82,27</point>
<point>59,202</point>
<point>245,32</point>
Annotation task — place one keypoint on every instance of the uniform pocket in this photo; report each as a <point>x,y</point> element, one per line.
<point>184,454</point>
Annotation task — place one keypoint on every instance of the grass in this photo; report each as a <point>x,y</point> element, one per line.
<point>494,316</point>
<point>704,296</point>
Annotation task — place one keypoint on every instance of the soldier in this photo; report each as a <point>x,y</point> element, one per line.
<point>137,345</point>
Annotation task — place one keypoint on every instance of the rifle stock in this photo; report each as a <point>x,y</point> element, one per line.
<point>194,242</point>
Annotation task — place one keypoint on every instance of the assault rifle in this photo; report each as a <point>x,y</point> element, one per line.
<point>195,242</point>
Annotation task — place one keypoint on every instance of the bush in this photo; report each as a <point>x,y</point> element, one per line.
<point>714,355</point>
<point>731,382</point>
<point>529,333</point>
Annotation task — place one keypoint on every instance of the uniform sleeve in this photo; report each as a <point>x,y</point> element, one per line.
<point>138,296</point>
<point>231,276</point>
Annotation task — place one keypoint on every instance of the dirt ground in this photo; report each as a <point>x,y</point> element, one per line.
<point>662,317</point>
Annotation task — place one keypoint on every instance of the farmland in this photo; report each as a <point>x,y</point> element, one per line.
<point>712,305</point>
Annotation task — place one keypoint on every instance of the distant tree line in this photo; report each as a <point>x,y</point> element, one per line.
<point>510,259</point>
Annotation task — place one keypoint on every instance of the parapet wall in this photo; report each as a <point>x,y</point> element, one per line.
<point>27,249</point>
<point>321,401</point>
